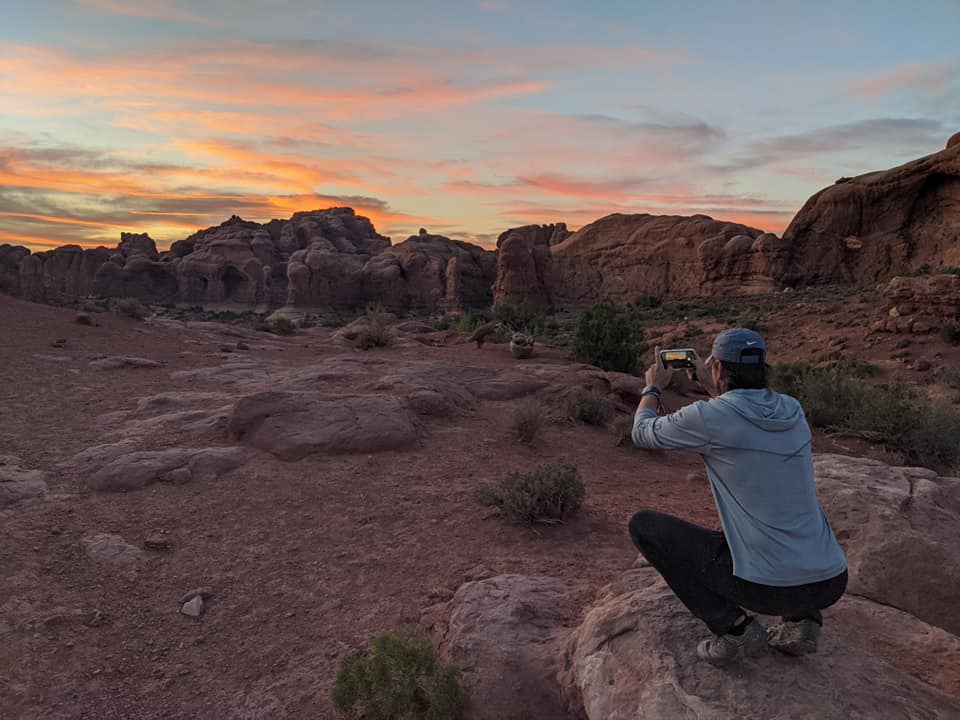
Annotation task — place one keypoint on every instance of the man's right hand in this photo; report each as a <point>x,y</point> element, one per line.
<point>703,375</point>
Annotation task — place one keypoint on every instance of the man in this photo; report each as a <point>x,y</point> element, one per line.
<point>777,554</point>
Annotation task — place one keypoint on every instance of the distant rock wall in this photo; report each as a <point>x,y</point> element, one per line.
<point>320,259</point>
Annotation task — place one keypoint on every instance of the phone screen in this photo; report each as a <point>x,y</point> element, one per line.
<point>677,358</point>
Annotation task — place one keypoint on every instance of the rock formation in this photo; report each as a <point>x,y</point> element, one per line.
<point>623,256</point>
<point>325,259</point>
<point>918,304</point>
<point>880,224</point>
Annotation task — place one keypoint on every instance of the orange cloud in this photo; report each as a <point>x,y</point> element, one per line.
<point>927,76</point>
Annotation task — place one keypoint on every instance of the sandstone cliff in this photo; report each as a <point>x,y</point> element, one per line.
<point>881,224</point>
<point>327,259</point>
<point>623,256</point>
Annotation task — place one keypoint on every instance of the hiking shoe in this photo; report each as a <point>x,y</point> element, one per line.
<point>725,649</point>
<point>794,638</point>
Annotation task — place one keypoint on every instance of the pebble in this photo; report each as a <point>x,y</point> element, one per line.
<point>193,607</point>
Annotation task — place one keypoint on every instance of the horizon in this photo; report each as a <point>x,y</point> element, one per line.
<point>169,117</point>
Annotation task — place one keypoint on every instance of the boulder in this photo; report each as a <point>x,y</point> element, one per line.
<point>634,657</point>
<point>121,470</point>
<point>109,549</point>
<point>898,527</point>
<point>506,635</point>
<point>523,264</point>
<point>10,257</point>
<point>880,224</point>
<point>62,275</point>
<point>121,362</point>
<point>292,425</point>
<point>18,483</point>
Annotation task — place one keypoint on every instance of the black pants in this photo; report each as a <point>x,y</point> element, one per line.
<point>697,566</point>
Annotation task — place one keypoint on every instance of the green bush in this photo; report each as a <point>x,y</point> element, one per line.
<point>129,307</point>
<point>278,325</point>
<point>591,408</point>
<point>950,271</point>
<point>894,416</point>
<point>609,337</point>
<point>527,422</point>
<point>950,332</point>
<point>647,302</point>
<point>550,494</point>
<point>467,323</point>
<point>398,678</point>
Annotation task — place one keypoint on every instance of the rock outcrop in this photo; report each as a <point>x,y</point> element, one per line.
<point>324,259</point>
<point>880,224</point>
<point>634,657</point>
<point>918,304</point>
<point>623,256</point>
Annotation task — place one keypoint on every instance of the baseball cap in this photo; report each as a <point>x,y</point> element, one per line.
<point>739,345</point>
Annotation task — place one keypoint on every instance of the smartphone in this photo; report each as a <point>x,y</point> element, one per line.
<point>678,358</point>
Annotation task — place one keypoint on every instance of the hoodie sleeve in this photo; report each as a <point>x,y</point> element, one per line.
<point>681,430</point>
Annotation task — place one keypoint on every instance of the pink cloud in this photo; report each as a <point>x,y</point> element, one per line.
<point>933,77</point>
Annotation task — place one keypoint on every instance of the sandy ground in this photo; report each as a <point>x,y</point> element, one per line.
<point>306,560</point>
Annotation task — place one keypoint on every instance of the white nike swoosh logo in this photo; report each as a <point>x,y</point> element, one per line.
<point>752,342</point>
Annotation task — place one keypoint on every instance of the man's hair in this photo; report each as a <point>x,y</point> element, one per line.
<point>743,376</point>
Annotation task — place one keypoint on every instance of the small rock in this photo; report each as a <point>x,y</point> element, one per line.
<point>922,365</point>
<point>241,345</point>
<point>59,343</point>
<point>902,343</point>
<point>894,312</point>
<point>227,348</point>
<point>156,541</point>
<point>193,607</point>
<point>83,318</point>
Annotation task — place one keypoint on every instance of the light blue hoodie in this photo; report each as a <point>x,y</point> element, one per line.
<point>756,446</point>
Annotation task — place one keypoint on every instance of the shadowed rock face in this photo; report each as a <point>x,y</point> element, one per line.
<point>881,224</point>
<point>320,259</point>
<point>623,256</point>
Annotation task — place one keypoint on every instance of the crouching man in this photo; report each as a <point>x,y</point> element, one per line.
<point>777,554</point>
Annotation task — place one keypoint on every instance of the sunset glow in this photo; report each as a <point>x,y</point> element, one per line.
<point>466,118</point>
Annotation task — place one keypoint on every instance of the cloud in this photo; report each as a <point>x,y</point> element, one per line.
<point>152,10</point>
<point>930,77</point>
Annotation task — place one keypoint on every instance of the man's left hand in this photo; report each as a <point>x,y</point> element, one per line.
<point>657,375</point>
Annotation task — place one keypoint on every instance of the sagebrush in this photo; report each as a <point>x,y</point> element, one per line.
<point>591,408</point>
<point>527,422</point>
<point>399,677</point>
<point>550,494</point>
<point>897,417</point>
<point>278,325</point>
<point>376,331</point>
<point>129,307</point>
<point>609,337</point>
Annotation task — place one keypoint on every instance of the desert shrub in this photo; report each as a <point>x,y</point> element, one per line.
<point>950,271</point>
<point>647,302</point>
<point>442,323</point>
<point>894,416</point>
<point>609,337</point>
<point>525,317</point>
<point>591,408</point>
<point>550,494</point>
<point>129,307</point>
<point>278,325</point>
<point>855,368</point>
<point>376,332</point>
<point>91,306</point>
<point>950,332</point>
<point>527,422</point>
<point>951,376</point>
<point>398,677</point>
<point>469,322</point>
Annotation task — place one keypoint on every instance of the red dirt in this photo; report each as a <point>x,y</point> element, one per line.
<point>306,561</point>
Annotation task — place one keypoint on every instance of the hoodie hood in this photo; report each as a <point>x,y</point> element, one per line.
<point>766,409</point>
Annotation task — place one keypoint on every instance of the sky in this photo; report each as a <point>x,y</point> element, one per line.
<point>464,117</point>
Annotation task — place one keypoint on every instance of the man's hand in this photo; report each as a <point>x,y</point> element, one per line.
<point>703,374</point>
<point>657,375</point>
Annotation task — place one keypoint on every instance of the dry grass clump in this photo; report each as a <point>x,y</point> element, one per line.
<point>591,408</point>
<point>129,307</point>
<point>376,330</point>
<point>527,422</point>
<point>550,494</point>
<point>399,676</point>
<point>278,325</point>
